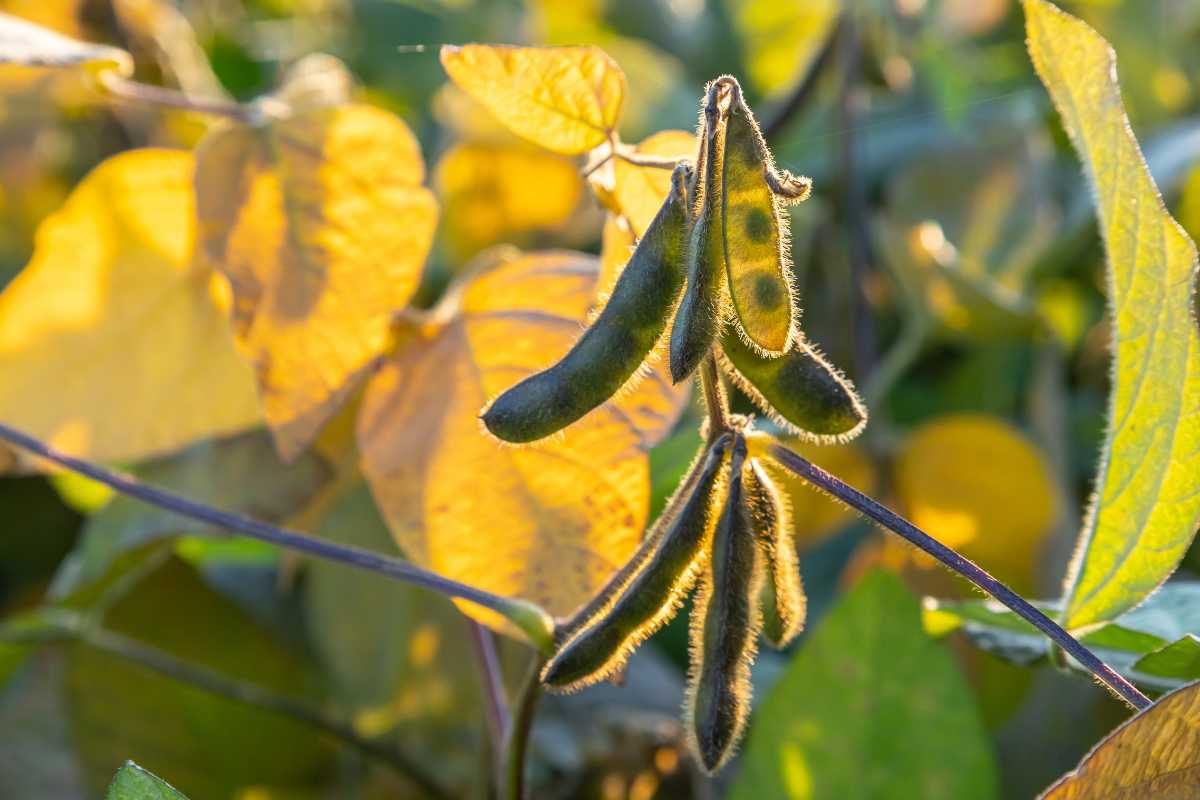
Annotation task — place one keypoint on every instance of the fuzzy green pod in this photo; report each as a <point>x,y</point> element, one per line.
<point>650,595</point>
<point>724,631</point>
<point>701,310</point>
<point>617,342</point>
<point>799,389</point>
<point>781,598</point>
<point>755,233</point>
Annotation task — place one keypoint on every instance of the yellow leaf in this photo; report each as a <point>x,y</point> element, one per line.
<point>1155,754</point>
<point>115,345</point>
<point>979,486</point>
<point>322,226</point>
<point>815,515</point>
<point>30,45</point>
<point>1147,500</point>
<point>781,38</point>
<point>492,193</point>
<point>548,522</point>
<point>639,191</point>
<point>566,99</point>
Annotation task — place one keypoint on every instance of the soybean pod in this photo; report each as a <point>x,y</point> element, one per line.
<point>617,342</point>
<point>782,595</point>
<point>724,632</point>
<point>799,389</point>
<point>651,594</point>
<point>754,228</point>
<point>701,310</point>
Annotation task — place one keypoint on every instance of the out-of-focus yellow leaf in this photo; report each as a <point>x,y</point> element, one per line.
<point>781,38</point>
<point>639,191</point>
<point>22,42</point>
<point>979,486</point>
<point>566,99</point>
<point>493,192</point>
<point>616,246</point>
<point>1154,754</point>
<point>115,345</point>
<point>1147,501</point>
<point>547,522</point>
<point>322,226</point>
<point>814,514</point>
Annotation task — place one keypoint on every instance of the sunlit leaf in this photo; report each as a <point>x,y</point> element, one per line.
<point>870,707</point>
<point>998,512</point>
<point>1147,502</point>
<point>322,226</point>
<point>548,522</point>
<point>114,344</point>
<point>134,783</point>
<point>639,191</point>
<point>1155,754</point>
<point>781,38</point>
<point>492,193</point>
<point>566,99</point>
<point>22,42</point>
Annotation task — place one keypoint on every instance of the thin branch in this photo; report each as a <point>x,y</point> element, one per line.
<point>144,94</point>
<point>516,743</point>
<point>530,618</point>
<point>790,108</point>
<point>631,156</point>
<point>963,566</point>
<point>716,402</point>
<point>249,694</point>
<point>495,703</point>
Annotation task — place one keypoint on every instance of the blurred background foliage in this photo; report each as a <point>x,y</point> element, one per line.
<point>948,261</point>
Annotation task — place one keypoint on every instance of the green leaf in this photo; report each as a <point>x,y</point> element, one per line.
<point>134,783</point>
<point>869,708</point>
<point>242,474</point>
<point>1148,487</point>
<point>1155,645</point>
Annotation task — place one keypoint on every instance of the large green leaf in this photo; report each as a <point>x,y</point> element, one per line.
<point>134,783</point>
<point>870,707</point>
<point>1148,488</point>
<point>1155,645</point>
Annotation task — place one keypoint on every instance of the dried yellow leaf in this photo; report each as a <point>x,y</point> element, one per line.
<point>1154,754</point>
<point>115,345</point>
<point>547,522</point>
<point>566,99</point>
<point>322,226</point>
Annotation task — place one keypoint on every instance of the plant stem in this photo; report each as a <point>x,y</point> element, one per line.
<point>516,743</point>
<point>779,118</point>
<point>145,94</point>
<point>239,691</point>
<point>495,704</point>
<point>643,160</point>
<point>530,618</point>
<point>715,400</point>
<point>893,522</point>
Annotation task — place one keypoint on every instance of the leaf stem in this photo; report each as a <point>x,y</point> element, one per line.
<point>249,694</point>
<point>631,156</point>
<point>145,94</point>
<point>533,620</point>
<point>893,522</point>
<point>495,703</point>
<point>516,742</point>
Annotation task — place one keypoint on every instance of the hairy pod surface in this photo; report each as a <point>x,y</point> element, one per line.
<point>652,592</point>
<point>724,631</point>
<point>612,588</point>
<point>701,310</point>
<point>617,342</point>
<point>781,598</point>
<point>799,389</point>
<point>754,230</point>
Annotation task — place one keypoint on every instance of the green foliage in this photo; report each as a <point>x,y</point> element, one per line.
<point>134,783</point>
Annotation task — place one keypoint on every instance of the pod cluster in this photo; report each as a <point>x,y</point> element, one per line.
<point>726,529</point>
<point>711,276</point>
